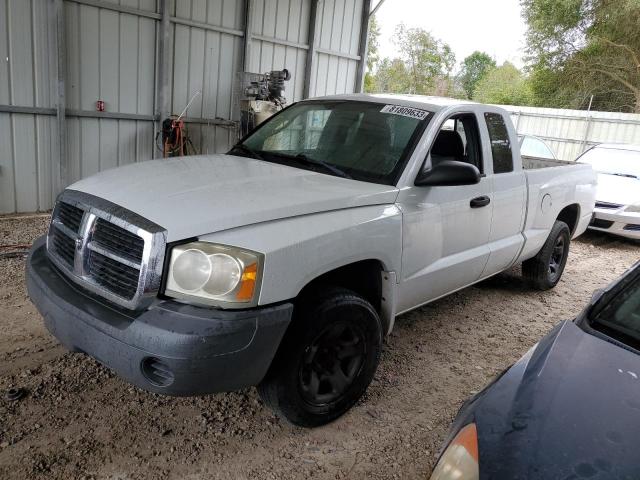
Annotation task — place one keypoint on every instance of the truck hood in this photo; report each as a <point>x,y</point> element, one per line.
<point>620,190</point>
<point>197,195</point>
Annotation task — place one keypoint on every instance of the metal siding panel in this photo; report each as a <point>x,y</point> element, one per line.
<point>42,75</point>
<point>196,71</point>
<point>89,24</point>
<point>355,28</point>
<point>109,61</point>
<point>144,138</point>
<point>108,143</point>
<point>282,19</point>
<point>26,163</point>
<point>298,78</point>
<point>7,184</point>
<point>45,151</point>
<point>199,10</point>
<point>225,88</point>
<point>230,15</point>
<point>180,68</point>
<point>212,69</point>
<point>337,26</point>
<point>126,142</point>
<point>73,139</point>
<point>89,153</point>
<point>258,17</point>
<point>332,74</point>
<point>21,53</point>
<point>72,42</point>
<point>128,64</point>
<point>5,98</point>
<point>146,66</point>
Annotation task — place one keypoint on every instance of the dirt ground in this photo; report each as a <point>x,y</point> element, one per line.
<point>80,421</point>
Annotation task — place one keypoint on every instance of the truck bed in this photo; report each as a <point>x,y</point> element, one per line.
<point>534,163</point>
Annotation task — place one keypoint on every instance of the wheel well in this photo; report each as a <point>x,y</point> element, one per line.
<point>362,277</point>
<point>570,216</point>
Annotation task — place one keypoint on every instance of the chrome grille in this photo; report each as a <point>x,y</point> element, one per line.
<point>117,239</point>
<point>116,277</point>
<point>106,249</point>
<point>70,216</point>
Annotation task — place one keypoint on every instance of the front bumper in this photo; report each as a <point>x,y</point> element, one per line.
<point>617,222</point>
<point>170,348</point>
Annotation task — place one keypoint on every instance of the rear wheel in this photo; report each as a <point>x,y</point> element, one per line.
<point>545,269</point>
<point>327,359</point>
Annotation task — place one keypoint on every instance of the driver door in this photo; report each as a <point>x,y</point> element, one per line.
<point>446,228</point>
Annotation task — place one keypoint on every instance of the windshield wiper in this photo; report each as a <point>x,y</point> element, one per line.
<point>626,175</point>
<point>244,149</point>
<point>301,157</point>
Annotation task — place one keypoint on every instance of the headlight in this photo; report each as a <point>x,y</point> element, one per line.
<point>460,460</point>
<point>214,274</point>
<point>633,208</point>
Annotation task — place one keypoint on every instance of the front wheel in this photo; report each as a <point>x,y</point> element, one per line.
<point>545,269</point>
<point>327,359</point>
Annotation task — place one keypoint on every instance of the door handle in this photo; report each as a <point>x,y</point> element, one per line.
<point>479,202</point>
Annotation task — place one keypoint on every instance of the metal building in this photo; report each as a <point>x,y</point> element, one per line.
<point>145,59</point>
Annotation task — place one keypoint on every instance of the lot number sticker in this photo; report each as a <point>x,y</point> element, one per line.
<point>405,111</point>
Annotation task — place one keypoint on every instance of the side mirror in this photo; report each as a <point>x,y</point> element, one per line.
<point>448,173</point>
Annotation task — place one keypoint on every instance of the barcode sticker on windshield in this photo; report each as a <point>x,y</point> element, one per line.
<point>405,111</point>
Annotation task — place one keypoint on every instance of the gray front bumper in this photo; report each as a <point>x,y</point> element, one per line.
<point>192,350</point>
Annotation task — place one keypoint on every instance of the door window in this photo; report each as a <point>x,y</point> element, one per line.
<point>500,143</point>
<point>458,140</point>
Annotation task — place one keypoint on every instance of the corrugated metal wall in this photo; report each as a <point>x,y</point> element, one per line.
<point>571,132</point>
<point>28,163</point>
<point>112,54</point>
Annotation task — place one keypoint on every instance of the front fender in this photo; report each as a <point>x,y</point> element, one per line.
<point>299,249</point>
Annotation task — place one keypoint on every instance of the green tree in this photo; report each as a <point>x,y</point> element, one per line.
<point>426,61</point>
<point>505,85</point>
<point>373,54</point>
<point>474,67</point>
<point>579,48</point>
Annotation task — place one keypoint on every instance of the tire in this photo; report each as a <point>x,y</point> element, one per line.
<point>326,360</point>
<point>545,269</point>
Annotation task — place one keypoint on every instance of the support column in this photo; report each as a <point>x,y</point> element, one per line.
<point>163,94</point>
<point>364,44</point>
<point>311,53</point>
<point>248,25</point>
<point>63,174</point>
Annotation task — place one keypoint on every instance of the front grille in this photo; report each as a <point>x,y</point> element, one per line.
<point>118,240</point>
<point>63,246</point>
<point>70,216</point>
<point>106,249</point>
<point>599,223</point>
<point>116,277</point>
<point>608,206</point>
<point>632,227</point>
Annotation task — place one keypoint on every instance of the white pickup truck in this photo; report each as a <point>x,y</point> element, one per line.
<point>284,263</point>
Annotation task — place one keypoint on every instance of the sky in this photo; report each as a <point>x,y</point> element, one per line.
<point>492,26</point>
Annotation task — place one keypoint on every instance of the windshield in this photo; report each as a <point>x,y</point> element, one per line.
<point>613,161</point>
<point>620,318</point>
<point>360,140</point>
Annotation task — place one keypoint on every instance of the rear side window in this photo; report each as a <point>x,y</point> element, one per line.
<point>500,143</point>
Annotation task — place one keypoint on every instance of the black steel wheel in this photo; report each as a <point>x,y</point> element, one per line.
<point>326,360</point>
<point>545,269</point>
<point>332,362</point>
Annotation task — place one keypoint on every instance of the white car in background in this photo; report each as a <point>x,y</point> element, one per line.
<point>531,146</point>
<point>618,196</point>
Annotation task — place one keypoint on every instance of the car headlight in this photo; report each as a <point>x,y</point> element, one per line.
<point>214,274</point>
<point>460,460</point>
<point>635,208</point>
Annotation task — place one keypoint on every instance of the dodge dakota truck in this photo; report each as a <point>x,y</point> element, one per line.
<point>283,263</point>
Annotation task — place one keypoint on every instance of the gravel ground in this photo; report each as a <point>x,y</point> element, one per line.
<point>80,421</point>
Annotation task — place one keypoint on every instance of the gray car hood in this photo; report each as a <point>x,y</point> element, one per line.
<point>197,195</point>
